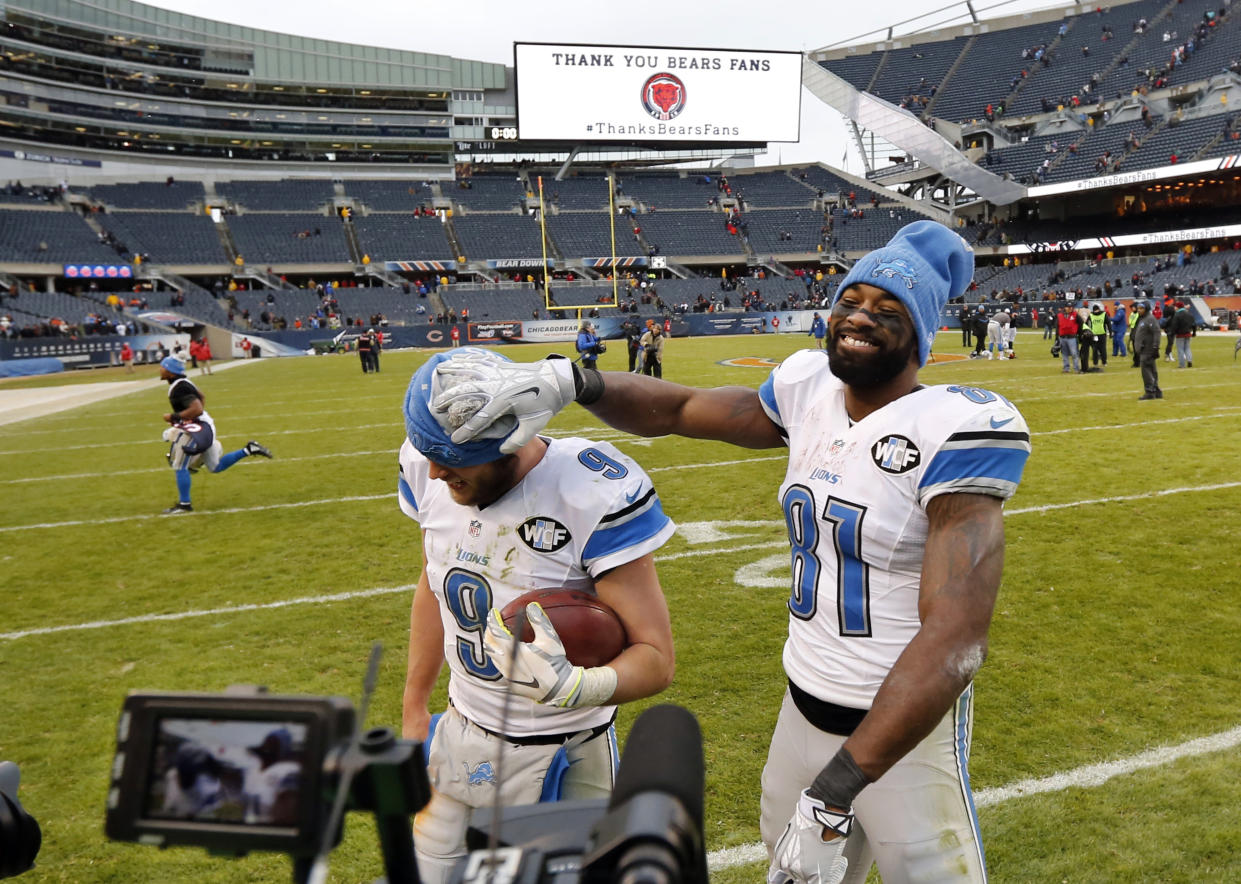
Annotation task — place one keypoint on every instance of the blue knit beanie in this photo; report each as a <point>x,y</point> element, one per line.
<point>922,266</point>
<point>172,364</point>
<point>429,431</point>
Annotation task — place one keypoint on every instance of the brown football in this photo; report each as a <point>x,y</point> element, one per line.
<point>591,631</point>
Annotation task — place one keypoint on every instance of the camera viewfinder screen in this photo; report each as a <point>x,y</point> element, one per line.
<point>227,771</point>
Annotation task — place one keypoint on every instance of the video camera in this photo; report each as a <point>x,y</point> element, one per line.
<point>244,771</point>
<point>20,835</point>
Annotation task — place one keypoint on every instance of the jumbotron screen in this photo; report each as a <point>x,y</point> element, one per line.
<point>588,93</point>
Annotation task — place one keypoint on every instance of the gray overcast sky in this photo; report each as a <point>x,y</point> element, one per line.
<point>486,30</point>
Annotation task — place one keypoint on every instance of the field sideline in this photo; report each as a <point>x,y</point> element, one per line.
<point>1108,705</point>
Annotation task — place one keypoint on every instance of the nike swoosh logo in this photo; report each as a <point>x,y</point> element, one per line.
<point>630,498</point>
<point>995,424</point>
<point>532,683</point>
<point>534,390</point>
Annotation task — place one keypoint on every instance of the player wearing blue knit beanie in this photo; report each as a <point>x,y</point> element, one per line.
<point>923,266</point>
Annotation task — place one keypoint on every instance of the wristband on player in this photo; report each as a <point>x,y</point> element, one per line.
<point>839,783</point>
<point>587,385</point>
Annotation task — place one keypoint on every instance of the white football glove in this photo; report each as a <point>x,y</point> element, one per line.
<point>532,393</point>
<point>540,670</point>
<point>802,855</point>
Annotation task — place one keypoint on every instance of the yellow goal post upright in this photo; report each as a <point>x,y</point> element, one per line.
<point>547,277</point>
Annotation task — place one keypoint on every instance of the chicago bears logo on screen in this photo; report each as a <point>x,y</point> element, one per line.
<point>663,96</point>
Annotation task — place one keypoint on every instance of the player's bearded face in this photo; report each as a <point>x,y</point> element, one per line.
<point>871,338</point>
<point>480,485</point>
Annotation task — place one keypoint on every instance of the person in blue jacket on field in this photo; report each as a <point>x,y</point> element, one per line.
<point>818,328</point>
<point>589,345</point>
<point>1120,328</point>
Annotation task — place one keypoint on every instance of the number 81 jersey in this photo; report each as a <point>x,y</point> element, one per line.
<point>854,498</point>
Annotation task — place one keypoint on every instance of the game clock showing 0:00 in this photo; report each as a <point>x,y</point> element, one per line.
<point>504,133</point>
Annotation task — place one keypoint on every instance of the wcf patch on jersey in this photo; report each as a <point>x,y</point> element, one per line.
<point>543,534</point>
<point>895,454</point>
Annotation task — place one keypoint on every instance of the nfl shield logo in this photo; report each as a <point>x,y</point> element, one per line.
<point>476,527</point>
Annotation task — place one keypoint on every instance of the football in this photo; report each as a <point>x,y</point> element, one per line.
<point>590,630</point>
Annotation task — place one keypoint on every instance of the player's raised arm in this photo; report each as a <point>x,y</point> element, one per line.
<point>530,394</point>
<point>646,406</point>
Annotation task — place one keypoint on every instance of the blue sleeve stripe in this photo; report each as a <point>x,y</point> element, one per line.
<point>613,539</point>
<point>767,395</point>
<point>407,493</point>
<point>1005,464</point>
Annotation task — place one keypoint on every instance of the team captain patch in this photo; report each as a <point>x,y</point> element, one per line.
<point>895,454</point>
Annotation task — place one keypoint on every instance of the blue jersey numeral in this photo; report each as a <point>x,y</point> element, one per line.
<point>852,572</point>
<point>803,539</point>
<point>596,461</point>
<point>468,597</point>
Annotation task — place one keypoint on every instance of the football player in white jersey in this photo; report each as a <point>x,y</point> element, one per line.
<point>555,513</point>
<point>893,497</point>
<point>191,432</point>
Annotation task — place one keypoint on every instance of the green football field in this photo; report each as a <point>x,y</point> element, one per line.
<point>1108,715</point>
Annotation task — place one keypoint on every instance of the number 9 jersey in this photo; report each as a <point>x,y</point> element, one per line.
<point>854,498</point>
<point>582,510</point>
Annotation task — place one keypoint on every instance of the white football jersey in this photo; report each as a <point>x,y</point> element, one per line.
<point>581,511</point>
<point>854,497</point>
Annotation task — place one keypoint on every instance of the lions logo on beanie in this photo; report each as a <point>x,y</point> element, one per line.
<point>922,266</point>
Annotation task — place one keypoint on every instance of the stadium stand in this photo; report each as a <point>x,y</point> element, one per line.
<point>579,192</point>
<point>381,195</point>
<point>983,75</point>
<point>288,238</point>
<point>488,193</point>
<point>589,234</point>
<point>669,190</point>
<point>499,236</point>
<point>148,195</point>
<point>770,189</point>
<point>773,231</point>
<point>910,76</point>
<point>687,232</point>
<point>402,237</point>
<point>166,237</point>
<point>507,301</point>
<point>287,195</point>
<point>50,237</point>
